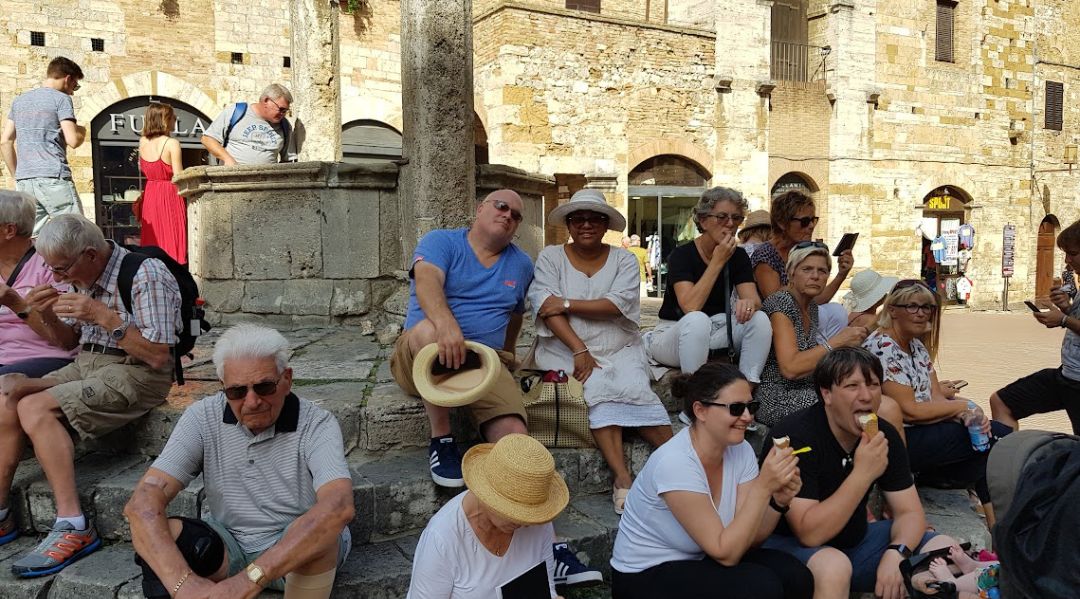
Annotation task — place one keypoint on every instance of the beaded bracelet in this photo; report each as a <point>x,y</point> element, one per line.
<point>183,579</point>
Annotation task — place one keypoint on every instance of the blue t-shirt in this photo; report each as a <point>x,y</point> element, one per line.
<point>481,299</point>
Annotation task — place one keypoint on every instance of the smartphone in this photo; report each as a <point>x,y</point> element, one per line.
<point>959,384</point>
<point>846,243</point>
<point>1031,305</point>
<point>472,362</point>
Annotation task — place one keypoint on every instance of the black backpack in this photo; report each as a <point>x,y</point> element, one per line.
<point>192,314</point>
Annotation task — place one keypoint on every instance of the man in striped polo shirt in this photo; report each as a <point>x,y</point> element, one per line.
<point>277,485</point>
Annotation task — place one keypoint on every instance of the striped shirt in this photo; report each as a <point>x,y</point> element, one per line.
<point>256,485</point>
<point>155,301</point>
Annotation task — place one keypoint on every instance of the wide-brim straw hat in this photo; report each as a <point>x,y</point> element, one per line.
<point>593,201</point>
<point>757,218</point>
<point>516,479</point>
<point>867,289</point>
<point>455,388</point>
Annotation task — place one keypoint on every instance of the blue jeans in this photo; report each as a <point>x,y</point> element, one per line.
<point>54,196</point>
<point>941,455</point>
<point>34,368</point>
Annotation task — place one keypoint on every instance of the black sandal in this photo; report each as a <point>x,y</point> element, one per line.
<point>920,563</point>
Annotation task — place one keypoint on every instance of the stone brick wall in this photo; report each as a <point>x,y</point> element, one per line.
<point>371,63</point>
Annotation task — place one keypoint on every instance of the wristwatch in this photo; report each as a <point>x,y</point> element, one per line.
<point>783,509</point>
<point>118,333</point>
<point>256,575</point>
<point>24,313</point>
<point>902,549</point>
<point>566,305</point>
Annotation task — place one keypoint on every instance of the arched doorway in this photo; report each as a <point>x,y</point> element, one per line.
<point>662,193</point>
<point>365,140</point>
<point>794,180</point>
<point>947,240</point>
<point>118,181</point>
<point>1044,257</point>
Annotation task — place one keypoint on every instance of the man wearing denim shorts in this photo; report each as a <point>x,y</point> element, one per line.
<point>123,370</point>
<point>41,127</point>
<point>825,525</point>
<point>277,485</point>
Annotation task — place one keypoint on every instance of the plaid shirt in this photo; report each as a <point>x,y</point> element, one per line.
<point>155,301</point>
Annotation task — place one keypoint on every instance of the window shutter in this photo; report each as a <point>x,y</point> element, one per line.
<point>946,12</point>
<point>584,5</point>
<point>1055,93</point>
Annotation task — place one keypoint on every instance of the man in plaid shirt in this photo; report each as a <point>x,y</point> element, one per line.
<point>123,370</point>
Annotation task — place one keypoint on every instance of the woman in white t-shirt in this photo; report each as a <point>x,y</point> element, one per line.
<point>699,509</point>
<point>494,540</point>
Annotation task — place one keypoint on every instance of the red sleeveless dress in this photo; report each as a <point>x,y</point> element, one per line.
<point>164,212</point>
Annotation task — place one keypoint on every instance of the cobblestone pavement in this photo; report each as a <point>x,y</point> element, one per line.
<point>987,349</point>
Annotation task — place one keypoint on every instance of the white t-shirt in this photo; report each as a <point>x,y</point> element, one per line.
<point>649,534</point>
<point>451,563</point>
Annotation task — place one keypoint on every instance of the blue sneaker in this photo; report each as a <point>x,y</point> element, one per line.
<point>445,463</point>
<point>58,550</point>
<point>570,571</point>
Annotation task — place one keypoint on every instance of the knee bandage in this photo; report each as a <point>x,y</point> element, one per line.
<point>302,586</point>
<point>202,548</point>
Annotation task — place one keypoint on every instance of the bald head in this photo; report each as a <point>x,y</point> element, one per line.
<point>507,195</point>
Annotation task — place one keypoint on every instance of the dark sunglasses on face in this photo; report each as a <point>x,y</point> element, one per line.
<point>502,206</point>
<point>587,219</point>
<point>916,308</point>
<point>736,219</point>
<point>810,244</point>
<point>261,389</point>
<point>736,409</point>
<point>805,221</point>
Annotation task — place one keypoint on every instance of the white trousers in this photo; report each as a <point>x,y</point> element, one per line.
<point>685,344</point>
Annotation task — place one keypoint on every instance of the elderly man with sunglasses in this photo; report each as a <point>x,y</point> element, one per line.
<point>277,486</point>
<point>124,369</point>
<point>256,133</point>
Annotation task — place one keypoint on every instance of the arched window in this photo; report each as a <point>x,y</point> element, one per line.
<point>794,181</point>
<point>669,169</point>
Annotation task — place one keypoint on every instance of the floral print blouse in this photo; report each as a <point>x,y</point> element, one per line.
<point>912,370</point>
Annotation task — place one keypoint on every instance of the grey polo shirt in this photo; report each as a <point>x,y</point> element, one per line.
<point>256,485</point>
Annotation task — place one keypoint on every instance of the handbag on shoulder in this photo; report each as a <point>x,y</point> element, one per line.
<point>558,414</point>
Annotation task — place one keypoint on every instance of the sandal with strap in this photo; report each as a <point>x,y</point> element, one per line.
<point>618,498</point>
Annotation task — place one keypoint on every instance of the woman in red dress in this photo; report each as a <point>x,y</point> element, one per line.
<point>163,211</point>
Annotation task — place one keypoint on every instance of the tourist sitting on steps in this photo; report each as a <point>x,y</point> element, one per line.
<point>470,284</point>
<point>124,370</point>
<point>494,540</point>
<point>24,343</point>
<point>278,489</point>
<point>825,525</point>
<point>700,508</point>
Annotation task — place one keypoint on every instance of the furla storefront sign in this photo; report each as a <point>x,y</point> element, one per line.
<point>124,121</point>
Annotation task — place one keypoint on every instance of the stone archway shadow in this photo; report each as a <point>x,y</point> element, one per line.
<point>670,145</point>
<point>146,83</point>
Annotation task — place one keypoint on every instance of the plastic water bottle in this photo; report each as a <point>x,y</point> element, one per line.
<point>980,441</point>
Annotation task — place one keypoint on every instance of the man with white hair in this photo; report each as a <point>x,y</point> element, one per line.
<point>124,369</point>
<point>277,486</point>
<point>256,133</point>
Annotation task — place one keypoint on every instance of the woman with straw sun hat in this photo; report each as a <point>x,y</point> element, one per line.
<point>496,535</point>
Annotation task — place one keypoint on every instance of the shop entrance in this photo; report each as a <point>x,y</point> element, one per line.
<point>947,239</point>
<point>663,191</point>
<point>117,178</point>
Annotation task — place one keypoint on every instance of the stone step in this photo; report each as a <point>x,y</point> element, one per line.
<point>373,571</point>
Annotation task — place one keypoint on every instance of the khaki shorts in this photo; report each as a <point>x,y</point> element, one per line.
<point>99,393</point>
<point>505,398</point>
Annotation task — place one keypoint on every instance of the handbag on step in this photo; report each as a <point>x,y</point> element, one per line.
<point>558,414</point>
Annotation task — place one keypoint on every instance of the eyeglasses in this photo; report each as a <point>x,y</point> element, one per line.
<point>581,220</point>
<point>261,389</point>
<point>280,108</point>
<point>802,245</point>
<point>502,206</point>
<point>64,270</point>
<point>805,221</point>
<point>736,408</point>
<point>916,308</point>
<point>735,219</point>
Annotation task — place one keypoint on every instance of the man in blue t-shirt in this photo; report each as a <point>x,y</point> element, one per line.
<point>42,125</point>
<point>468,284</point>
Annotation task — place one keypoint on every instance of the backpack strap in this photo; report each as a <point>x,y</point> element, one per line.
<point>18,267</point>
<point>128,267</point>
<point>730,315</point>
<point>239,110</point>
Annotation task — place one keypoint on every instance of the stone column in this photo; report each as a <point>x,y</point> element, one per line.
<point>316,82</point>
<point>438,181</point>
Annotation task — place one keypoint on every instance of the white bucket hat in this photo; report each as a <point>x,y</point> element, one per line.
<point>455,388</point>
<point>867,289</point>
<point>593,201</point>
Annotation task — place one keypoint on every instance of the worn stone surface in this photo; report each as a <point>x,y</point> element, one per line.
<point>263,297</point>
<point>392,419</point>
<point>20,588</point>
<point>316,78</point>
<point>112,493</point>
<point>404,495</point>
<point>345,401</point>
<point>100,574</point>
<point>351,298</point>
<point>347,254</point>
<point>307,296</point>
<point>949,512</point>
<point>88,471</point>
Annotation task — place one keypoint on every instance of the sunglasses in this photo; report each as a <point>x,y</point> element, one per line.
<point>502,206</point>
<point>261,389</point>
<point>592,219</point>
<point>805,221</point>
<point>802,245</point>
<point>736,219</point>
<point>736,408</point>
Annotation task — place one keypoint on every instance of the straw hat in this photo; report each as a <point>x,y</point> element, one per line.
<point>593,201</point>
<point>757,218</point>
<point>455,388</point>
<point>516,479</point>
<point>867,289</point>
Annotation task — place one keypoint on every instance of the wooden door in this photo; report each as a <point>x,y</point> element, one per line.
<point>1044,261</point>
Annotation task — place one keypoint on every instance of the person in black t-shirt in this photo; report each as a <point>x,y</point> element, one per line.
<point>694,315</point>
<point>825,526</point>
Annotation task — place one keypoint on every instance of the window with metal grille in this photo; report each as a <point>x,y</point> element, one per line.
<point>584,5</point>
<point>97,44</point>
<point>1055,92</point>
<point>946,12</point>
<point>238,58</point>
<point>286,61</point>
<point>37,38</point>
